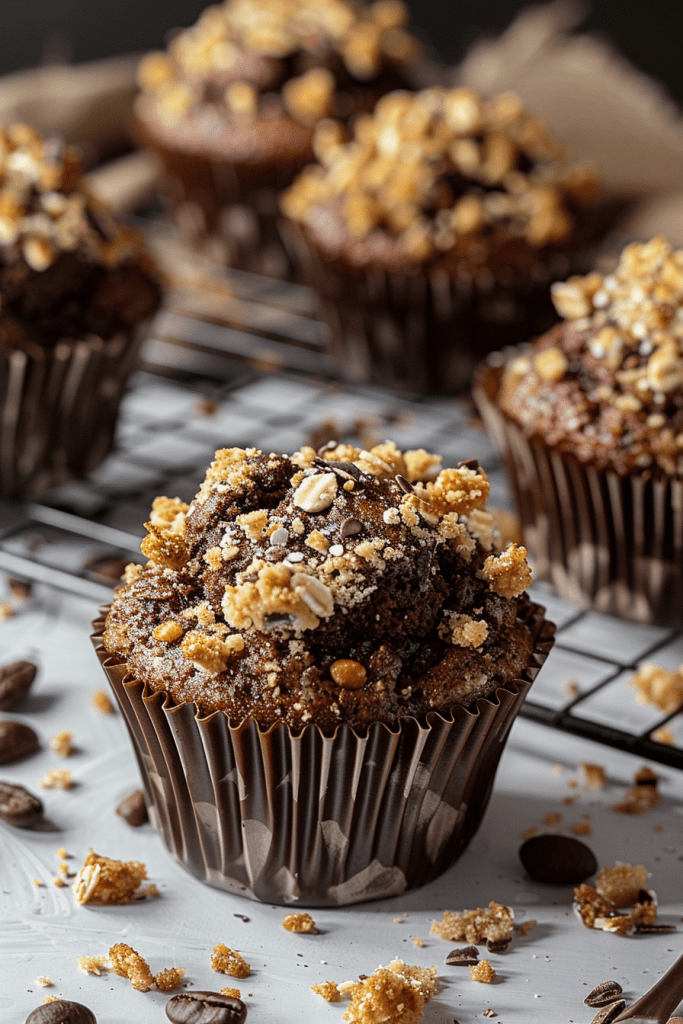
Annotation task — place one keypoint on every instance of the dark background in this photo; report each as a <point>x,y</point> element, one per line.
<point>647,31</point>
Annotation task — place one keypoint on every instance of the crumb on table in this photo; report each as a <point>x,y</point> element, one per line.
<point>56,778</point>
<point>482,972</point>
<point>493,923</point>
<point>328,990</point>
<point>101,702</point>
<point>233,993</point>
<point>103,880</point>
<point>127,963</point>
<point>226,961</point>
<point>299,923</point>
<point>62,743</point>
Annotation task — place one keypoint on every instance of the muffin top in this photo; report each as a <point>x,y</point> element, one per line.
<point>607,382</point>
<point>67,267</point>
<point>247,63</point>
<point>440,173</point>
<point>350,586</point>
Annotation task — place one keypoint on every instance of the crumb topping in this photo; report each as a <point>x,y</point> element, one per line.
<point>62,743</point>
<point>438,169</point>
<point>482,972</point>
<point>657,686</point>
<point>102,880</point>
<point>618,888</point>
<point>281,592</point>
<point>226,961</point>
<point>101,702</point>
<point>251,57</point>
<point>56,778</point>
<point>622,883</point>
<point>299,923</point>
<point>491,924</point>
<point>396,993</point>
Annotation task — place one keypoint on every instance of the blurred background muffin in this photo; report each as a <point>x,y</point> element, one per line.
<point>232,104</point>
<point>590,423</point>
<point>433,234</point>
<point>75,289</point>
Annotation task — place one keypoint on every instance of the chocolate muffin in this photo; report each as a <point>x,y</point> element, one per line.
<point>433,234</point>
<point>75,288</point>
<point>328,602</point>
<point>231,106</point>
<point>590,422</point>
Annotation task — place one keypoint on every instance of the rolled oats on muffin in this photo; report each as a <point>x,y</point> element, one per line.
<point>232,103</point>
<point>75,289</point>
<point>326,600</point>
<point>432,234</point>
<point>596,405</point>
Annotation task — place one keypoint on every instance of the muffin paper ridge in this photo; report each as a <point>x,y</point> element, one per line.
<point>310,819</point>
<point>608,541</point>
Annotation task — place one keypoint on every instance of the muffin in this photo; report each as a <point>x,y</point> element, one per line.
<point>75,289</point>
<point>319,665</point>
<point>433,234</point>
<point>231,106</point>
<point>589,420</point>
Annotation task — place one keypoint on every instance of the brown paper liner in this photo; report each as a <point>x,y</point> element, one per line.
<point>607,541</point>
<point>58,408</point>
<point>427,331</point>
<point>312,819</point>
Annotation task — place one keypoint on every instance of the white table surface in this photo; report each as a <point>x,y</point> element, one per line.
<point>542,977</point>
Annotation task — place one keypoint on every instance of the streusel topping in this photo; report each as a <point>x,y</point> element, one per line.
<point>346,585</point>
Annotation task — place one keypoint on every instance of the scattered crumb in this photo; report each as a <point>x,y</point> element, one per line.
<point>482,972</point>
<point>20,589</point>
<point>663,735</point>
<point>590,905</point>
<point>206,406</point>
<point>553,818</point>
<point>62,853</point>
<point>396,993</point>
<point>44,982</point>
<point>569,800</point>
<point>417,940</point>
<point>530,832</point>
<point>92,964</point>
<point>56,778</point>
<point>526,926</point>
<point>103,880</point>
<point>51,999</point>
<point>592,775</point>
<point>572,689</point>
<point>62,743</point>
<point>127,963</point>
<point>489,1013</point>
<point>37,881</point>
<point>642,796</point>
<point>299,923</point>
<point>226,961</point>
<point>621,883</point>
<point>398,920</point>
<point>328,990</point>
<point>657,686</point>
<point>59,882</point>
<point>63,868</point>
<point>234,993</point>
<point>475,926</point>
<point>6,611</point>
<point>101,702</point>
<point>572,784</point>
<point>582,828</point>
<point>169,979</point>
<point>558,769</point>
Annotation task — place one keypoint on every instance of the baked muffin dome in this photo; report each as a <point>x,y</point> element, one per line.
<point>345,587</point>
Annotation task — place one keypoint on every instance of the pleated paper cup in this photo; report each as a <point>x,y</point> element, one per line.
<point>608,541</point>
<point>58,408</point>
<point>311,819</point>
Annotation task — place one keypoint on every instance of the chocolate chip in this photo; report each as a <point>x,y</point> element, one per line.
<point>469,464</point>
<point>16,741</point>
<point>61,1011</point>
<point>15,681</point>
<point>463,957</point>
<point>133,809</point>
<point>350,527</point>
<point>403,484</point>
<point>497,945</point>
<point>205,1008</point>
<point>558,860</point>
<point>18,806</point>
<point>610,1012</point>
<point>275,554</point>
<point>604,994</point>
<point>276,619</point>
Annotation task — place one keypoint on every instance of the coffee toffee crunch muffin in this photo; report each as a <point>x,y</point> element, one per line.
<point>433,234</point>
<point>353,591</point>
<point>590,421</point>
<point>75,286</point>
<point>231,106</point>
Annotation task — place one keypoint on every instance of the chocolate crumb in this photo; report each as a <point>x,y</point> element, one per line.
<point>133,809</point>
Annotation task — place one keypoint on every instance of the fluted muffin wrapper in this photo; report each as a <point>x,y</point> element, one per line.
<point>58,408</point>
<point>609,541</point>
<point>424,330</point>
<point>310,819</point>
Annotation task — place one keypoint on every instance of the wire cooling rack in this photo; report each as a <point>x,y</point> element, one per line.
<point>235,359</point>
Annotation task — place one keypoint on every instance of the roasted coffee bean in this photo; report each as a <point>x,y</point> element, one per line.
<point>61,1011</point>
<point>469,464</point>
<point>497,945</point>
<point>403,484</point>
<point>133,808</point>
<point>350,527</point>
<point>559,860</point>
<point>604,994</point>
<point>15,681</point>
<point>18,806</point>
<point>463,957</point>
<point>610,1012</point>
<point>205,1008</point>
<point>16,741</point>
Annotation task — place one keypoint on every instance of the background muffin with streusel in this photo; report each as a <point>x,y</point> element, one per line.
<point>590,420</point>
<point>328,601</point>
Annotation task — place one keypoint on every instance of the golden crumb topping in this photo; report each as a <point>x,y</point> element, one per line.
<point>396,174</point>
<point>44,981</point>
<point>592,775</point>
<point>493,923</point>
<point>328,990</point>
<point>102,880</point>
<point>508,572</point>
<point>62,743</point>
<point>227,961</point>
<point>482,972</point>
<point>622,883</point>
<point>92,964</point>
<point>101,702</point>
<point>56,778</point>
<point>169,978</point>
<point>396,993</point>
<point>657,686</point>
<point>234,993</point>
<point>299,923</point>
<point>127,963</point>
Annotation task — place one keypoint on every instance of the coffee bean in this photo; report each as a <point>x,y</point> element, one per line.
<point>403,484</point>
<point>497,945</point>
<point>469,464</point>
<point>133,808</point>
<point>463,957</point>
<point>61,1011</point>
<point>350,527</point>
<point>16,741</point>
<point>205,1008</point>
<point>15,680</point>
<point>604,994</point>
<point>558,860</point>
<point>610,1012</point>
<point>18,806</point>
